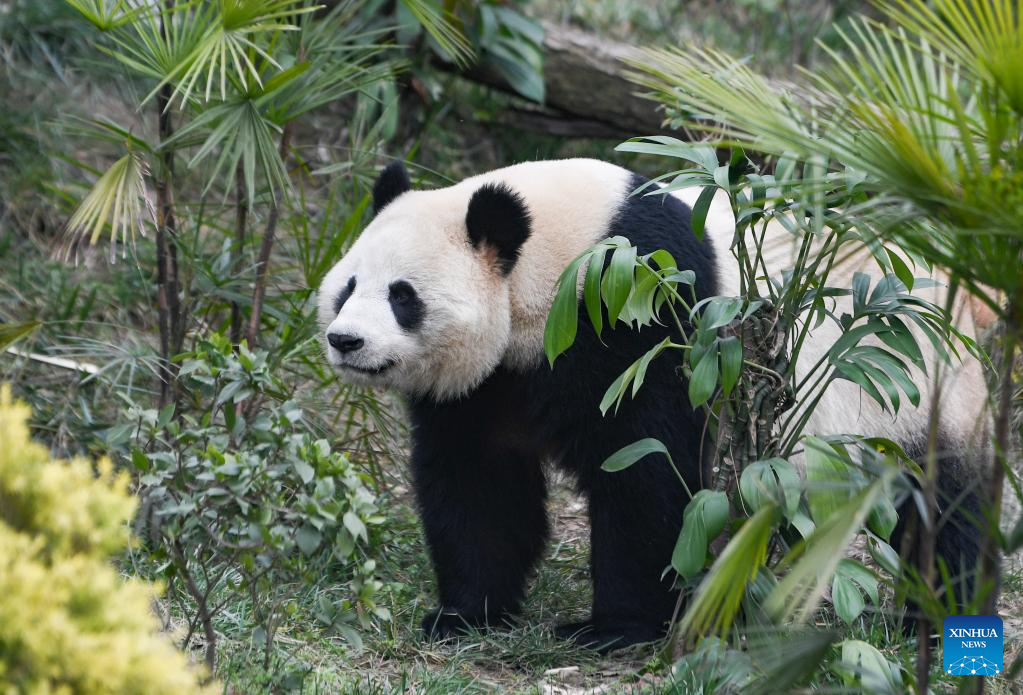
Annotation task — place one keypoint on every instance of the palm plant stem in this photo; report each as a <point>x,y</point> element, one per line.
<point>169,305</point>
<point>266,248</point>
<point>241,204</point>
<point>990,567</point>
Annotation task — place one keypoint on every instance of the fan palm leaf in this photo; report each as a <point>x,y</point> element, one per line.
<point>119,201</point>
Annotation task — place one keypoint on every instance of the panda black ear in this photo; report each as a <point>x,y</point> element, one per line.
<point>498,217</point>
<point>392,182</point>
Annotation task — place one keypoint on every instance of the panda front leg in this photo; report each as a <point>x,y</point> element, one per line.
<point>635,517</point>
<point>483,513</point>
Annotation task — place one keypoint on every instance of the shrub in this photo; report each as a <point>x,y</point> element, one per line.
<point>246,505</point>
<point>68,622</point>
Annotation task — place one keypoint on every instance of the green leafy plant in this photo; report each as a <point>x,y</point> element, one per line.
<point>242,501</point>
<point>498,38</point>
<point>68,621</point>
<point>924,114</point>
<point>739,354</point>
<point>241,73</point>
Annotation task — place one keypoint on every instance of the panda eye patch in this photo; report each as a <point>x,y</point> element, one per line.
<point>408,308</point>
<point>343,295</point>
<point>401,292</point>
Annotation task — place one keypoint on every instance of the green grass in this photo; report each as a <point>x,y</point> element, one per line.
<point>524,659</point>
<point>397,658</point>
<point>104,314</point>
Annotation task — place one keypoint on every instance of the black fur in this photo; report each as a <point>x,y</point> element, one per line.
<point>344,295</point>
<point>481,489</point>
<point>392,182</point>
<point>479,482</point>
<point>959,524</point>
<point>408,308</point>
<point>498,217</point>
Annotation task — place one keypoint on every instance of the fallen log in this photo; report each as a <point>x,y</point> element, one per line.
<point>587,92</point>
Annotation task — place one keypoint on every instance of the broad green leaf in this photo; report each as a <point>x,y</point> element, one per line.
<point>704,380</point>
<point>591,289</point>
<point>354,525</point>
<point>304,470</point>
<point>719,312</point>
<point>308,539</point>
<point>884,555</point>
<point>731,363</point>
<point>701,208</point>
<point>812,562</point>
<point>846,598</point>
<point>628,455</point>
<point>772,480</point>
<point>883,518</point>
<point>690,551</point>
<point>644,362</point>
<point>616,391</point>
<point>900,268</point>
<point>827,479</point>
<point>865,668</point>
<point>854,373</point>
<point>719,595</point>
<point>618,281</point>
<point>704,519</point>
<point>860,575</point>
<point>563,319</point>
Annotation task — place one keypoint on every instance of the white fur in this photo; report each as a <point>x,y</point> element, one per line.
<point>844,408</point>
<point>475,317</point>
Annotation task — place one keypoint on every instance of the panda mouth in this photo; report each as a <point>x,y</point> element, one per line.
<point>369,370</point>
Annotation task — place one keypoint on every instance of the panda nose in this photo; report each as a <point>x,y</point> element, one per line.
<point>343,342</point>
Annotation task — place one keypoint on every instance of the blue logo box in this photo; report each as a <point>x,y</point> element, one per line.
<point>971,645</point>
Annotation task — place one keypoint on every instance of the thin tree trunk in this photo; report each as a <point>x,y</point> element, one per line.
<point>241,203</point>
<point>265,249</point>
<point>163,308</point>
<point>202,607</point>
<point>171,323</point>
<point>924,536</point>
<point>990,556</point>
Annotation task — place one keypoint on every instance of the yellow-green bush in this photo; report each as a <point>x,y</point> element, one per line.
<point>68,622</point>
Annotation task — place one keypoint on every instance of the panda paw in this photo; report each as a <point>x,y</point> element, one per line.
<point>444,623</point>
<point>605,638</point>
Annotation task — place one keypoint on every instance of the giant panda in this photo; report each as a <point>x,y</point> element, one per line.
<point>444,297</point>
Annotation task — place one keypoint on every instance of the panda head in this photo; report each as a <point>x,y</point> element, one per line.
<point>420,303</point>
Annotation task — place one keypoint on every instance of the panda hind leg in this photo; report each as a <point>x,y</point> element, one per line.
<point>959,529</point>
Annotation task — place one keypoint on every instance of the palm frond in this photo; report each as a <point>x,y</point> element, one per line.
<point>813,561</point>
<point>160,42</point>
<point>984,37</point>
<point>203,47</point>
<point>893,107</point>
<point>119,200</point>
<point>106,14</point>
<point>442,29</point>
<point>719,596</point>
<point>342,55</point>
<point>240,136</point>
